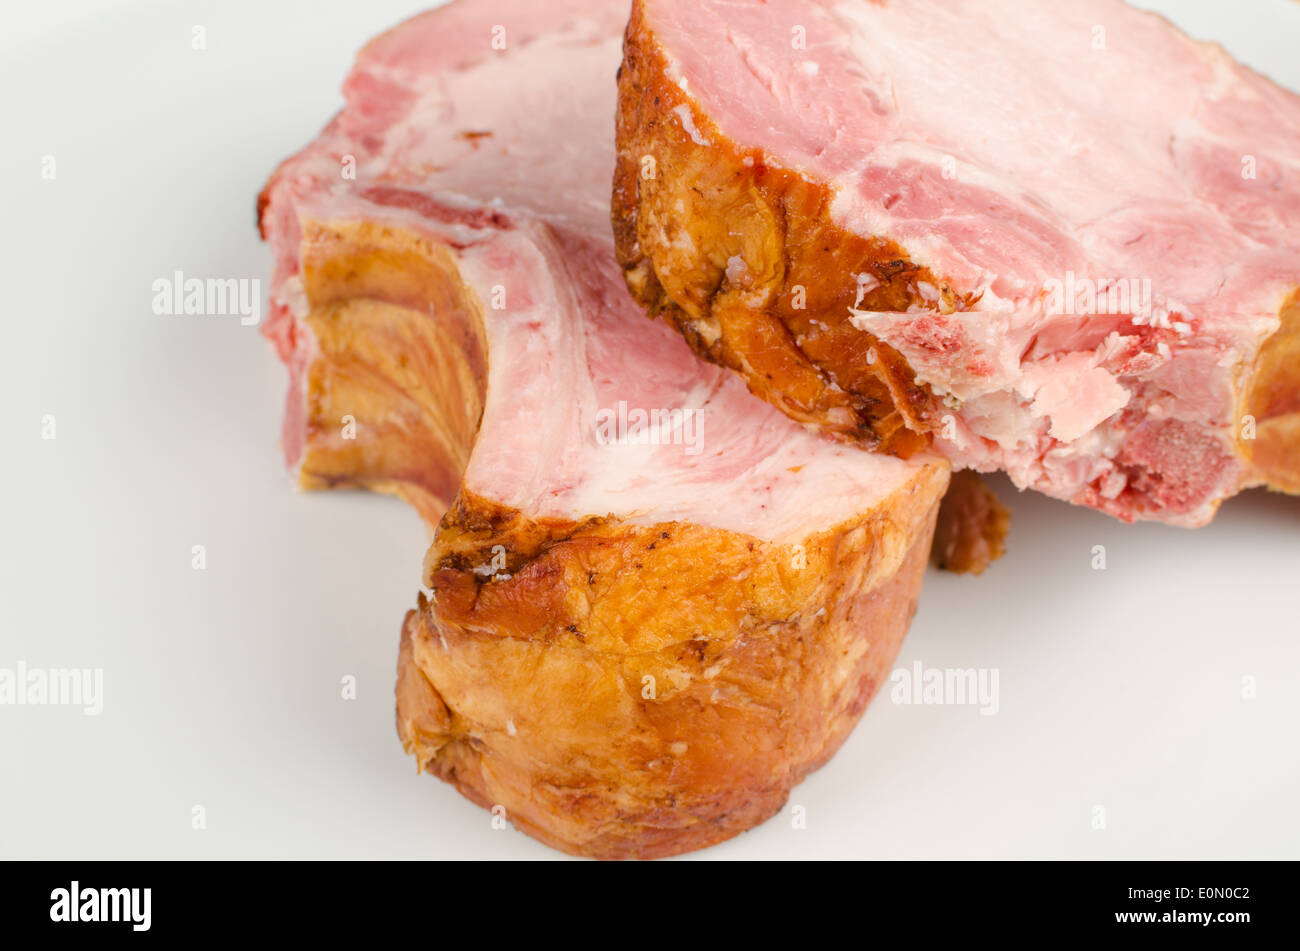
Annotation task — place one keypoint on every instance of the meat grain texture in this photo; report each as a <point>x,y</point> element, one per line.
<point>633,646</point>
<point>1057,239</point>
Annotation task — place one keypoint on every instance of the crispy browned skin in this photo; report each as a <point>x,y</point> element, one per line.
<point>413,385</point>
<point>620,691</point>
<point>1273,402</point>
<point>620,695</point>
<point>780,323</point>
<point>972,529</point>
<point>682,210</point>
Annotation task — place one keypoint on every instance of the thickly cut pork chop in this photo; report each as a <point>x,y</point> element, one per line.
<point>1062,239</point>
<point>637,639</point>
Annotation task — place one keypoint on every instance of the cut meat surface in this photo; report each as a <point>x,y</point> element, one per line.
<point>655,601</point>
<point>1059,239</point>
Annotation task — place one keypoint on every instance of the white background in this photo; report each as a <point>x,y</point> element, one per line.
<point>1119,688</point>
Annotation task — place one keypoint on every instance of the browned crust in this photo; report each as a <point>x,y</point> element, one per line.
<point>705,204</point>
<point>402,355</point>
<point>532,693</point>
<point>683,210</point>
<point>1270,434</point>
<point>972,529</point>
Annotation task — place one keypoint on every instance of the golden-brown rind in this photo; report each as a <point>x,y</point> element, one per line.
<point>626,691</point>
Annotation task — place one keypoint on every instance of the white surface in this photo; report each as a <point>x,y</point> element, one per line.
<point>1119,688</point>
